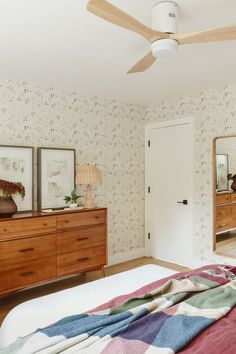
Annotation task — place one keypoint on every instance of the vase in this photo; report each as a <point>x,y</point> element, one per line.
<point>73,205</point>
<point>233,186</point>
<point>7,207</point>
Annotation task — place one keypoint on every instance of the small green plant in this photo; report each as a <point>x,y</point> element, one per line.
<point>72,198</point>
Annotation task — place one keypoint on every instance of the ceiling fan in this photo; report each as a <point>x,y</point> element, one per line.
<point>163,35</point>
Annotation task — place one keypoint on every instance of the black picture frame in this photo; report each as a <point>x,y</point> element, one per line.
<point>55,176</point>
<point>17,165</point>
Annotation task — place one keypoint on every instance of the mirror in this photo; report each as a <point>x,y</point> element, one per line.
<point>224,165</point>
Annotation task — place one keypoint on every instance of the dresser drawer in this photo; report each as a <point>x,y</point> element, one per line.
<point>69,241</point>
<point>233,197</point>
<point>27,249</point>
<point>27,273</point>
<point>81,219</point>
<point>27,227</point>
<point>233,208</point>
<point>233,218</point>
<point>224,210</point>
<point>222,198</point>
<point>81,261</point>
<point>223,223</point>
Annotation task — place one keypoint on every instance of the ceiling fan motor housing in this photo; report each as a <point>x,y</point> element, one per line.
<point>165,17</point>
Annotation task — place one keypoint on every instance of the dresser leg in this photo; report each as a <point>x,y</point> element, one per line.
<point>103,271</point>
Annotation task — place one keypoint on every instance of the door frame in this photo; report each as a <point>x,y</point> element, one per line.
<point>164,125</point>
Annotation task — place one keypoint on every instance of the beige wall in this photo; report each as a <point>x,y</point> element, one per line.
<point>111,134</point>
<point>104,132</point>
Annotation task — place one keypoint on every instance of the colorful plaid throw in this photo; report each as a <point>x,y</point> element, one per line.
<point>162,321</point>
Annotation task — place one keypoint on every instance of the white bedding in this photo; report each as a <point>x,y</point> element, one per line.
<point>42,311</point>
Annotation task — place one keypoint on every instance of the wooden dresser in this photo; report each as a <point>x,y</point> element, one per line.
<point>225,212</point>
<point>37,247</point>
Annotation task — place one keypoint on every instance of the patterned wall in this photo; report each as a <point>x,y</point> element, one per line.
<point>214,113</point>
<point>111,134</point>
<point>104,132</point>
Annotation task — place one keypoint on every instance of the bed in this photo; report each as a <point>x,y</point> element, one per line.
<point>26,317</point>
<point>209,327</point>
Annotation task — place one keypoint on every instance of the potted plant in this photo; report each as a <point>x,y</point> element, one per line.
<point>8,189</point>
<point>72,199</point>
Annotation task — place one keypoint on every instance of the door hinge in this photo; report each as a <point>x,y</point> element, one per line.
<point>149,143</point>
<point>149,189</point>
<point>149,235</point>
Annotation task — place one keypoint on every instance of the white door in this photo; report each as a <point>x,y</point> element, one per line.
<point>169,191</point>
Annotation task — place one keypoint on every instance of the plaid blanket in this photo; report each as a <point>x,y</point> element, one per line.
<point>163,320</point>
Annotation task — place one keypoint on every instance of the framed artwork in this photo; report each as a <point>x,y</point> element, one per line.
<point>17,165</point>
<point>56,176</point>
<point>222,170</point>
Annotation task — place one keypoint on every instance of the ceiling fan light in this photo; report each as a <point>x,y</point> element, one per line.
<point>164,48</point>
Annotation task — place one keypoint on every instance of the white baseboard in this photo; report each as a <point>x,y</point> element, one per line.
<point>199,264</point>
<point>127,256</point>
<point>143,252</point>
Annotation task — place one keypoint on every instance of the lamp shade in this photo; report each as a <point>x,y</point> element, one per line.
<point>88,174</point>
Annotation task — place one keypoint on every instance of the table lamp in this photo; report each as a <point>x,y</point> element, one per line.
<point>88,175</point>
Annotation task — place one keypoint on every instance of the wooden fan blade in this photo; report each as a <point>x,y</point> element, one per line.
<point>210,35</point>
<point>143,64</point>
<point>111,13</point>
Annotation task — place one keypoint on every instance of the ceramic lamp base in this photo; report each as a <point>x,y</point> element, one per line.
<point>89,202</point>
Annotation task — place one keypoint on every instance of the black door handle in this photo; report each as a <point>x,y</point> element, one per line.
<point>185,202</point>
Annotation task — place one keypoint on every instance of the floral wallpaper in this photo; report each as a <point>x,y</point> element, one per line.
<point>107,133</point>
<point>111,134</point>
<point>214,113</point>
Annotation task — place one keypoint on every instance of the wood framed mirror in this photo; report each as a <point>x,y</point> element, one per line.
<point>224,196</point>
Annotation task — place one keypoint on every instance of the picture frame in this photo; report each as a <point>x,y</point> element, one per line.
<point>55,177</point>
<point>222,171</point>
<point>17,165</point>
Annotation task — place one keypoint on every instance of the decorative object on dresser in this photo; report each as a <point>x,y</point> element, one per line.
<point>37,247</point>
<point>72,199</point>
<point>8,189</point>
<point>88,175</point>
<point>17,164</point>
<point>232,178</point>
<point>56,176</point>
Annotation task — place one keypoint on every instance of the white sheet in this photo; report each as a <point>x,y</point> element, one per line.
<point>40,312</point>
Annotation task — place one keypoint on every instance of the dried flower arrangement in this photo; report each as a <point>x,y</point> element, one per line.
<point>9,189</point>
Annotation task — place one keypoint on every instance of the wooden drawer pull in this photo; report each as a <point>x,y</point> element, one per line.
<point>82,259</point>
<point>27,250</point>
<point>26,274</point>
<point>222,225</point>
<point>82,239</point>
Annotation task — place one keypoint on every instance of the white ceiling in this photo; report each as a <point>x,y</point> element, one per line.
<point>59,43</point>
